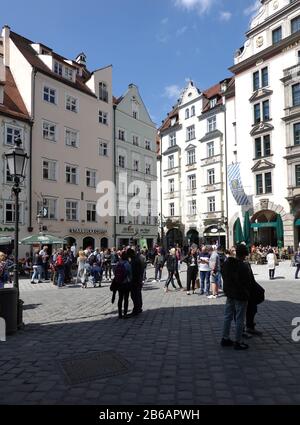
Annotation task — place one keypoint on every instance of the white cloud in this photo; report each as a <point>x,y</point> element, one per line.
<point>225,16</point>
<point>162,38</point>
<point>253,8</point>
<point>172,92</point>
<point>201,6</point>
<point>181,31</point>
<point>164,21</point>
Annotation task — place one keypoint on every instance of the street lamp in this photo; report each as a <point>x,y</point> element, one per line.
<point>17,160</point>
<point>219,229</point>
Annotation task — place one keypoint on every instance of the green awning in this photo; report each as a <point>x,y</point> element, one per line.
<point>267,224</point>
<point>297,222</point>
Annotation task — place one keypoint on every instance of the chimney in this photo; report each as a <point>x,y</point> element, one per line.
<point>5,36</point>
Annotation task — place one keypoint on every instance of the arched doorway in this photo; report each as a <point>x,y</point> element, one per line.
<point>104,243</point>
<point>264,228</point>
<point>192,237</point>
<point>88,242</point>
<point>70,241</point>
<point>174,237</point>
<point>214,235</point>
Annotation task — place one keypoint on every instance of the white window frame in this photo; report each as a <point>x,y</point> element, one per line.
<point>148,145</point>
<point>211,123</point>
<point>47,132</point>
<point>190,133</point>
<point>191,182</point>
<point>123,161</point>
<point>211,176</point>
<point>172,140</point>
<point>92,208</point>
<point>148,168</point>
<point>191,156</point>
<point>7,177</point>
<point>136,165</point>
<point>103,148</point>
<point>92,177</point>
<point>51,205</point>
<point>171,185</point>
<point>103,117</point>
<point>171,162</point>
<point>70,131</point>
<point>59,68</point>
<point>192,207</point>
<point>16,132</point>
<point>103,91</point>
<point>172,209</point>
<point>211,204</point>
<point>21,209</point>
<point>193,111</point>
<point>71,103</point>
<point>213,102</point>
<point>122,133</point>
<point>135,140</point>
<point>71,208</point>
<point>68,73</point>
<point>210,149</point>
<point>52,169</point>
<point>49,94</point>
<point>71,174</point>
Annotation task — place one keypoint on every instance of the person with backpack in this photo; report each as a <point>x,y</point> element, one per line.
<point>59,265</point>
<point>121,283</point>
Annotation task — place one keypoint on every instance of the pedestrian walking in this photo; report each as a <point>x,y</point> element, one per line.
<point>158,265</point>
<point>137,271</point>
<point>37,267</point>
<point>192,269</point>
<point>272,262</point>
<point>171,267</point>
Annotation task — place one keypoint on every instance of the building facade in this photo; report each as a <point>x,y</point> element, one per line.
<point>263,128</point>
<point>71,148</point>
<point>14,123</point>
<point>135,171</point>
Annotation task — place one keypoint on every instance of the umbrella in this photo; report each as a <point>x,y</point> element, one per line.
<point>42,239</point>
<point>238,232</point>
<point>247,228</point>
<point>279,231</point>
<point>6,240</point>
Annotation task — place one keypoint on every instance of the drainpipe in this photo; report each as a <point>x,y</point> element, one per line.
<point>33,75</point>
<point>226,174</point>
<point>114,176</point>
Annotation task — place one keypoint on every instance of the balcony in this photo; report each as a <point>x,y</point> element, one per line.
<point>212,187</point>
<point>291,72</point>
<point>171,195</point>
<point>292,151</point>
<point>216,215</point>
<point>293,192</point>
<point>170,171</point>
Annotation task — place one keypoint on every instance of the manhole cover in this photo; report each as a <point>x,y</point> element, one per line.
<point>93,366</point>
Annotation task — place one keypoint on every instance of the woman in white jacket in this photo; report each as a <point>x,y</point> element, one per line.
<point>272,262</point>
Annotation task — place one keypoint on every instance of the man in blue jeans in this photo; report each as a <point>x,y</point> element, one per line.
<point>236,284</point>
<point>204,270</point>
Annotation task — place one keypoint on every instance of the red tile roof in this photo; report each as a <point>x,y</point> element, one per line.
<point>24,45</point>
<point>13,104</point>
<point>167,122</point>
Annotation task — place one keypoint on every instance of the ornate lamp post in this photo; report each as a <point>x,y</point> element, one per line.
<point>17,160</point>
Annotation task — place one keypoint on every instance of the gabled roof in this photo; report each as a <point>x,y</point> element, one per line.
<point>13,104</point>
<point>24,45</point>
<point>215,92</point>
<point>167,122</point>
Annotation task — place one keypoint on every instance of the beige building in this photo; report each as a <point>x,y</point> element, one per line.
<point>71,145</point>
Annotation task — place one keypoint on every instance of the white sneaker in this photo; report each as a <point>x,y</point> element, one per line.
<point>212,296</point>
<point>154,281</point>
<point>188,293</point>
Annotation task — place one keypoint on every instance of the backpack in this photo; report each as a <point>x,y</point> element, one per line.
<point>59,261</point>
<point>120,273</point>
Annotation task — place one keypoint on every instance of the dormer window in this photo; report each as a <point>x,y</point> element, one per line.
<point>103,92</point>
<point>69,73</point>
<point>213,102</point>
<point>173,121</point>
<point>58,68</point>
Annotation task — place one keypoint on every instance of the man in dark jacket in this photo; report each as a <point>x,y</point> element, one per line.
<point>137,282</point>
<point>171,266</point>
<point>236,285</point>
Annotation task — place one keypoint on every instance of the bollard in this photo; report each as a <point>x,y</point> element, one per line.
<point>2,330</point>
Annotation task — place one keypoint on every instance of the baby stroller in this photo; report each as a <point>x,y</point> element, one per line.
<point>93,274</point>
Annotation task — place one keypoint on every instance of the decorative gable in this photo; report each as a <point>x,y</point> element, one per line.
<point>261,128</point>
<point>260,94</point>
<point>190,147</point>
<point>262,165</point>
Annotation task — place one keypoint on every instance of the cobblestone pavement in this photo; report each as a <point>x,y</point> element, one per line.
<point>173,348</point>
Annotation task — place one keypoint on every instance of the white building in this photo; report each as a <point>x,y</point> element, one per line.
<point>71,148</point>
<point>193,169</point>
<point>135,171</point>
<point>263,126</point>
<point>14,123</point>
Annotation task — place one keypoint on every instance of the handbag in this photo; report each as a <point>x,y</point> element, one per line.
<point>257,293</point>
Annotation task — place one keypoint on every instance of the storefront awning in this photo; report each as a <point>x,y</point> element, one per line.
<point>297,222</point>
<point>266,224</point>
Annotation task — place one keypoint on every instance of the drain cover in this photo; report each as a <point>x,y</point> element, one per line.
<point>93,366</point>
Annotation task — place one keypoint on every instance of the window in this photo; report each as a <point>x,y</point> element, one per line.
<point>257,113</point>
<point>190,133</point>
<point>276,35</point>
<point>213,102</point>
<point>71,174</point>
<point>263,183</point>
<point>91,178</point>
<point>58,68</point>
<point>136,219</point>
<point>258,151</point>
<point>264,77</point>
<point>135,111</point>
<point>121,161</point>
<point>191,182</point>
<point>103,149</point>
<point>49,95</point>
<point>172,140</point>
<point>69,73</point>
<point>103,92</point>
<point>91,212</point>
<point>121,216</point>
<point>187,114</point>
<point>171,161</point>
<point>148,169</point>
<point>297,175</point>
<point>262,146</point>
<point>192,207</point>
<point>295,24</point>
<point>148,145</point>
<point>267,145</point>
<point>172,209</point>
<point>135,140</point>
<point>297,133</point>
<point>193,111</point>
<point>72,210</point>
<point>211,204</point>
<point>71,138</point>
<point>49,131</point>
<point>71,103</point>
<point>255,80</point>
<point>211,124</point>
<point>122,135</point>
<point>8,177</point>
<point>9,212</point>
<point>135,165</point>
<point>12,133</point>
<point>211,176</point>
<point>191,157</point>
<point>173,121</point>
<point>296,94</point>
<point>103,118</point>
<point>266,110</point>
<point>210,149</point>
<point>171,185</point>
<point>49,169</point>
<point>50,206</point>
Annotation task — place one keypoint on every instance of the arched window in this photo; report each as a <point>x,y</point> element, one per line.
<point>187,114</point>
<point>193,111</point>
<point>103,92</point>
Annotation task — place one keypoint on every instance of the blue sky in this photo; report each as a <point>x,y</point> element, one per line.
<point>155,44</point>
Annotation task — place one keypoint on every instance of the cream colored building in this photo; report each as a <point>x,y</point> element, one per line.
<point>71,146</point>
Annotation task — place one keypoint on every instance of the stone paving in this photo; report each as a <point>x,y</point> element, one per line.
<point>172,348</point>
